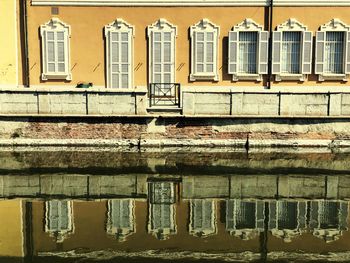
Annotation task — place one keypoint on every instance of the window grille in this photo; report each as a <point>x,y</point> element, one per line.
<point>334,52</point>
<point>291,46</point>
<point>247,52</point>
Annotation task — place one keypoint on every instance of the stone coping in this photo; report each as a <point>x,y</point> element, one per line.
<point>70,89</point>
<point>174,143</point>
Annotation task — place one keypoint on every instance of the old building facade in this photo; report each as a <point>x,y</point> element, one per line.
<point>208,59</point>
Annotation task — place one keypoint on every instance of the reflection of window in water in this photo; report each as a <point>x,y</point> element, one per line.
<point>58,219</point>
<point>202,217</point>
<point>120,218</point>
<point>162,209</point>
<point>287,218</point>
<point>162,192</point>
<point>328,219</point>
<point>244,218</point>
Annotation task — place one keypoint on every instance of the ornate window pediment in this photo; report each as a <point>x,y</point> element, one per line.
<point>204,51</point>
<point>291,51</point>
<point>332,48</point>
<point>119,59</point>
<point>248,51</point>
<point>55,36</point>
<point>161,52</point>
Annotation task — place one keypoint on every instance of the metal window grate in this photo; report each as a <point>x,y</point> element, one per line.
<point>247,52</point>
<point>291,52</point>
<point>334,52</point>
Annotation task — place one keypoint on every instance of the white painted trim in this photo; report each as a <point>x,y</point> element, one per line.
<point>161,26</point>
<point>247,25</point>
<point>204,26</point>
<point>334,25</point>
<point>203,232</point>
<point>119,26</point>
<point>191,2</point>
<point>293,25</point>
<point>55,25</point>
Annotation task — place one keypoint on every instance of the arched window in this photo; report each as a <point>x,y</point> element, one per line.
<point>333,51</point>
<point>119,53</point>
<point>204,51</point>
<point>59,219</point>
<point>248,51</point>
<point>202,218</point>
<point>161,37</point>
<point>55,50</point>
<point>291,51</point>
<point>120,218</point>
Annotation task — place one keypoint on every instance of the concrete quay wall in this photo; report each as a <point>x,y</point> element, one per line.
<point>192,187</point>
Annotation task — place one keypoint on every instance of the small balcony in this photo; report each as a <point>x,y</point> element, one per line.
<point>164,97</point>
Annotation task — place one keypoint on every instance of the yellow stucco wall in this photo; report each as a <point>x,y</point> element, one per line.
<point>88,46</point>
<point>87,41</point>
<point>11,228</point>
<point>8,43</point>
<point>313,18</point>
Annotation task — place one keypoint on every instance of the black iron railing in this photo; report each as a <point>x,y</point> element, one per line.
<point>164,94</point>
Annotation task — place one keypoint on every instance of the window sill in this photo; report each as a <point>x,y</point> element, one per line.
<point>299,77</point>
<point>341,77</point>
<point>214,77</point>
<point>55,76</point>
<point>255,77</point>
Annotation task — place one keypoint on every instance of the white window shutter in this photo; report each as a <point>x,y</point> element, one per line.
<point>260,215</point>
<point>302,215</point>
<point>307,53</point>
<point>347,53</point>
<point>232,52</point>
<point>263,52</point>
<point>276,52</point>
<point>320,45</point>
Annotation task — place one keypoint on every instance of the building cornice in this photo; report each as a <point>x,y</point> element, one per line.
<point>190,2</point>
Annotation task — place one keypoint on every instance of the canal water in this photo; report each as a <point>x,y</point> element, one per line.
<point>84,205</point>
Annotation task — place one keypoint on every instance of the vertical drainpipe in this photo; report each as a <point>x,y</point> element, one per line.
<point>269,18</point>
<point>24,25</point>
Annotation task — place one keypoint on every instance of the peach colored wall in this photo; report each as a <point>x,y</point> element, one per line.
<point>87,40</point>
<point>313,18</point>
<point>11,228</point>
<point>90,232</point>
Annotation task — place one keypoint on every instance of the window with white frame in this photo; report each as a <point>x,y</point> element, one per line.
<point>291,51</point>
<point>55,50</point>
<point>58,219</point>
<point>120,220</point>
<point>248,51</point>
<point>119,47</point>
<point>333,51</point>
<point>161,36</point>
<point>203,220</point>
<point>204,51</point>
<point>287,219</point>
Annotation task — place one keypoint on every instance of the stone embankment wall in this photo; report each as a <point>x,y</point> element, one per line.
<point>174,131</point>
<point>217,118</point>
<point>193,187</point>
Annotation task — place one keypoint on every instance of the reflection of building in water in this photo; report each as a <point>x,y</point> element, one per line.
<point>244,218</point>
<point>59,219</point>
<point>162,201</point>
<point>328,219</point>
<point>202,217</point>
<point>287,218</point>
<point>120,218</point>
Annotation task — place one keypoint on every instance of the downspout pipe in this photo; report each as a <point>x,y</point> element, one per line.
<point>24,41</point>
<point>270,28</point>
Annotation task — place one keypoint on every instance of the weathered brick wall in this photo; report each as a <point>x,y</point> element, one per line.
<point>173,128</point>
